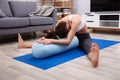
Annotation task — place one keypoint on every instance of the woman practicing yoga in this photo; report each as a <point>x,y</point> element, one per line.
<point>68,27</point>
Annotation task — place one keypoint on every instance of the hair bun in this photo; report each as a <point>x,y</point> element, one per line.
<point>50,34</point>
<point>48,31</point>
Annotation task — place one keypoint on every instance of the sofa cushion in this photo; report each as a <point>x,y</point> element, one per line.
<point>22,8</point>
<point>2,14</point>
<point>40,20</point>
<point>5,7</point>
<point>9,22</point>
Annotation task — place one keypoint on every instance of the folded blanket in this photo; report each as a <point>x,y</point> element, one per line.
<point>42,11</point>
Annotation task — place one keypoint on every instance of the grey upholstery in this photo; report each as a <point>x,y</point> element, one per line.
<point>17,19</point>
<point>4,6</point>
<point>13,22</point>
<point>41,20</point>
<point>24,29</point>
<point>22,8</point>
<point>2,14</point>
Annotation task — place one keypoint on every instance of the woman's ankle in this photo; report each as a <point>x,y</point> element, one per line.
<point>21,44</point>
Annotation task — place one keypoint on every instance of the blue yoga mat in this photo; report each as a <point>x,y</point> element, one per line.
<point>61,58</point>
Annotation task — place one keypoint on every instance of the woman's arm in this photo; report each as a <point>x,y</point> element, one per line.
<point>69,38</point>
<point>70,35</point>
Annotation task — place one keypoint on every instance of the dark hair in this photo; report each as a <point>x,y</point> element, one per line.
<point>50,34</point>
<point>60,31</point>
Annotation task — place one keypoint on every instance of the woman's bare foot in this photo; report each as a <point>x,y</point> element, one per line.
<point>23,44</point>
<point>94,54</point>
<point>20,41</point>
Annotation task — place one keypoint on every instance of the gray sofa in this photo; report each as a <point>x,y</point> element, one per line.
<point>14,18</point>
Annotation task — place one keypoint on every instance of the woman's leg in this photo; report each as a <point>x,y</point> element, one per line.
<point>23,44</point>
<point>90,48</point>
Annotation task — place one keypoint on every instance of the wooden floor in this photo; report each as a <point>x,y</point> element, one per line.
<point>77,69</point>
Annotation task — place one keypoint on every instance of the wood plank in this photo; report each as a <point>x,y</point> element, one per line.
<point>77,69</point>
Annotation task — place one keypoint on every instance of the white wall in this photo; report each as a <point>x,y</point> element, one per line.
<point>81,6</point>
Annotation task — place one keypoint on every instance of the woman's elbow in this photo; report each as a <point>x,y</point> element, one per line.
<point>67,42</point>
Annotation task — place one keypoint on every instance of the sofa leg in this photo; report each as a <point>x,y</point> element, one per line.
<point>34,33</point>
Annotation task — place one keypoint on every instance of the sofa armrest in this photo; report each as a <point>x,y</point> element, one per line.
<point>54,14</point>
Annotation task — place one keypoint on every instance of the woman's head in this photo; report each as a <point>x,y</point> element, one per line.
<point>61,30</point>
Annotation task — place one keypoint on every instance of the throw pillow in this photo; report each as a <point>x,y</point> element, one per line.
<point>2,14</point>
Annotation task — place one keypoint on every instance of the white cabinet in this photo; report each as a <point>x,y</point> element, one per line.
<point>92,20</point>
<point>102,20</point>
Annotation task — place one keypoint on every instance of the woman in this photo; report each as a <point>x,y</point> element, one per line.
<point>68,27</point>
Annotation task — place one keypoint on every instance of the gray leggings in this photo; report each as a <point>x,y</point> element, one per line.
<point>84,42</point>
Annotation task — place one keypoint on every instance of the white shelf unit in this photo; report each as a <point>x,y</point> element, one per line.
<point>92,20</point>
<point>109,23</point>
<point>102,20</point>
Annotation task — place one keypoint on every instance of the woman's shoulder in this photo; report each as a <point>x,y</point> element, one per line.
<point>64,18</point>
<point>74,17</point>
<point>71,17</point>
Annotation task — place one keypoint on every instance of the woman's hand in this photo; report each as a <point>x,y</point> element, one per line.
<point>43,40</point>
